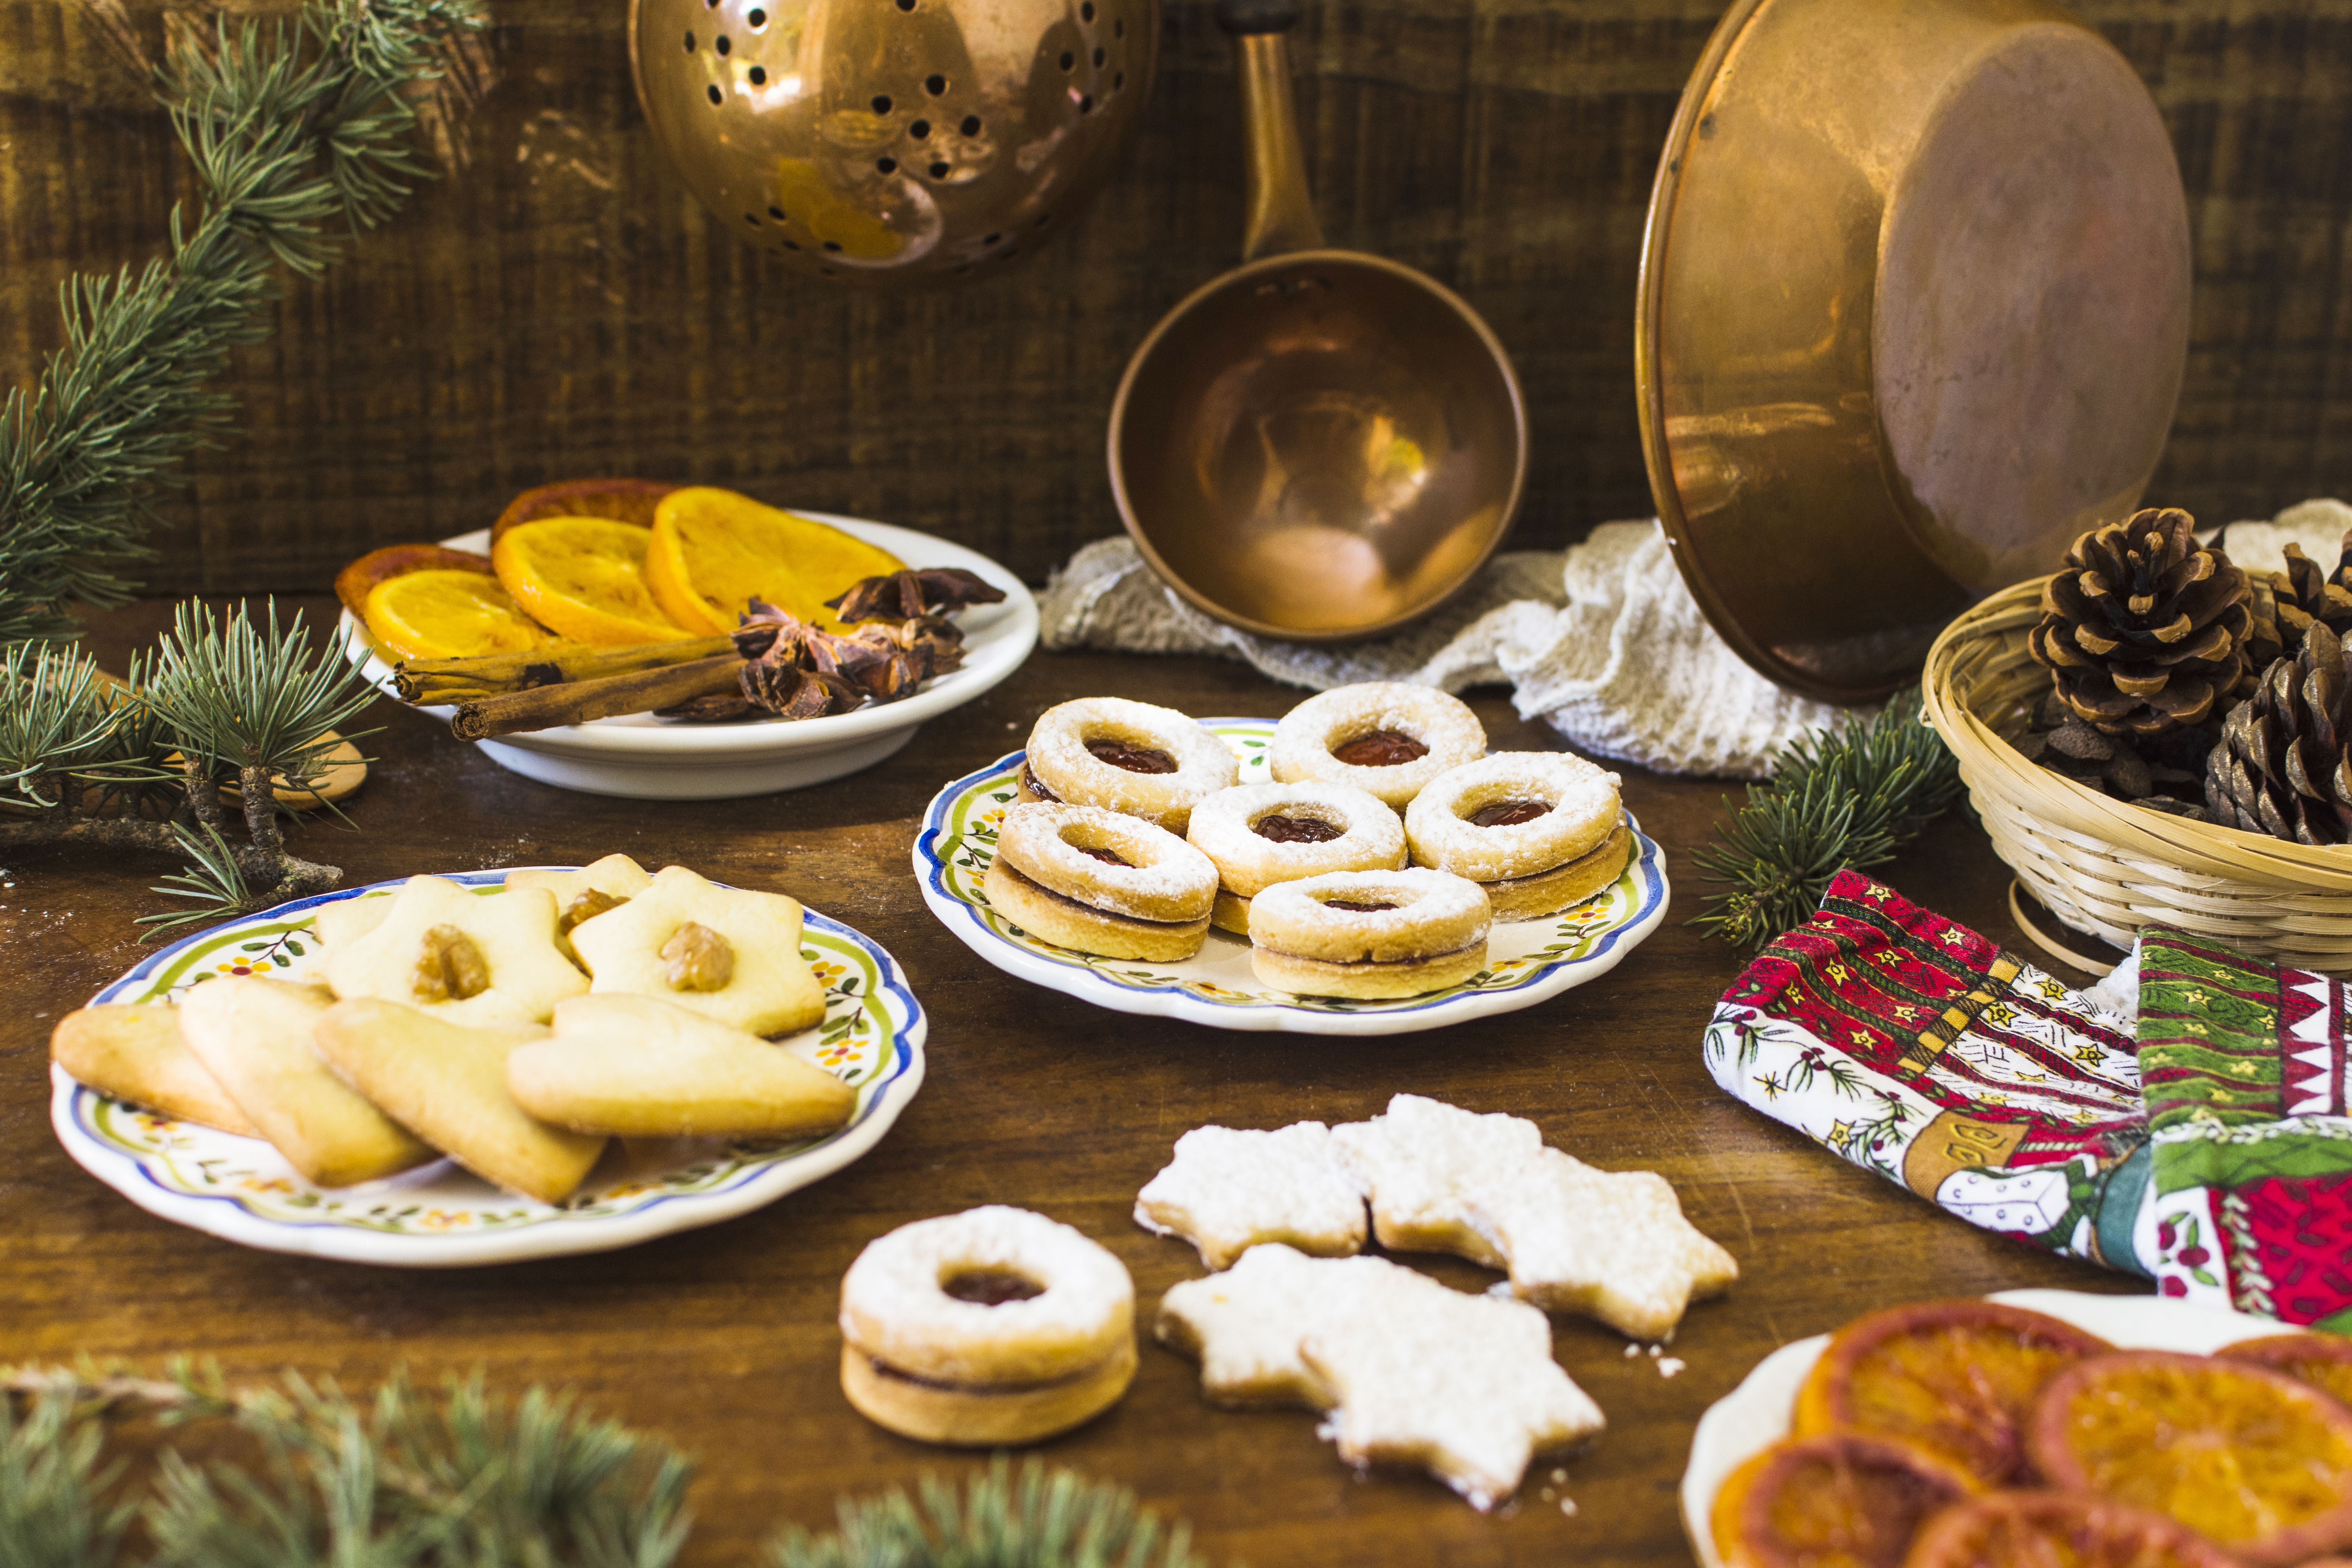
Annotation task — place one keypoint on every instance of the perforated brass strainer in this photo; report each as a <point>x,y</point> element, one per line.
<point>892,142</point>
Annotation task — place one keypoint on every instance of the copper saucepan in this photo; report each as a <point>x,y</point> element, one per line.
<point>1320,444</point>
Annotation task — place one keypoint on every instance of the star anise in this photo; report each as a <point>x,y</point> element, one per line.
<point>930,593</point>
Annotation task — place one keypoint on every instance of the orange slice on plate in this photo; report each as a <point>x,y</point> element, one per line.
<point>355,582</point>
<point>714,551</point>
<point>2254,1460</point>
<point>447,614</point>
<point>1839,1499</point>
<point>1959,1378</point>
<point>584,578</point>
<point>623,500</point>
<point>2323,1361</point>
<point>2059,1529</point>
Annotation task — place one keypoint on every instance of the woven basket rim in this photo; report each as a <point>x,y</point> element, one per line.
<point>1992,765</point>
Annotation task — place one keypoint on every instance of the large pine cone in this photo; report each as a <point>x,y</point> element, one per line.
<point>2143,628</point>
<point>2280,766</point>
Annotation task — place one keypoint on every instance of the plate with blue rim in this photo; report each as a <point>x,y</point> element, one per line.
<point>1528,961</point>
<point>439,1215</point>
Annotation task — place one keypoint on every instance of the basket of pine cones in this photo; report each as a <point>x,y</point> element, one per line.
<point>2154,736</point>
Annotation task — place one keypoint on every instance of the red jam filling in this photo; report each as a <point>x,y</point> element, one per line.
<point>1105,855</point>
<point>1380,748</point>
<point>1283,829</point>
<point>1509,812</point>
<point>1351,904</point>
<point>989,1288</point>
<point>1134,759</point>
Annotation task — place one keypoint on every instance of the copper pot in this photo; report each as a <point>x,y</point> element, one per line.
<point>1320,444</point>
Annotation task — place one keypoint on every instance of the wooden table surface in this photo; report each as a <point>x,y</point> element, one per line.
<point>723,1339</point>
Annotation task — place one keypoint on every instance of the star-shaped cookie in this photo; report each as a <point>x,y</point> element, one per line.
<point>1418,1160</point>
<point>1411,1371</point>
<point>595,888</point>
<point>1609,1245</point>
<point>728,953</point>
<point>1228,1189</point>
<point>468,958</point>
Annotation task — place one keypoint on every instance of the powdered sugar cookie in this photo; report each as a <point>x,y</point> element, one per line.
<point>1608,1245</point>
<point>1227,1189</point>
<point>1095,881</point>
<point>728,953</point>
<point>1382,736</point>
<point>1259,835</point>
<point>472,958</point>
<point>1411,1371</point>
<point>1421,1159</point>
<point>1368,934</point>
<point>1127,757</point>
<point>991,1326</point>
<point>1539,830</point>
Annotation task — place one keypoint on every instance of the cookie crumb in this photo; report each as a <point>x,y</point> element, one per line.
<point>1669,1366</point>
<point>1559,1477</point>
<point>1654,1350</point>
<point>1633,1350</point>
<point>1568,1506</point>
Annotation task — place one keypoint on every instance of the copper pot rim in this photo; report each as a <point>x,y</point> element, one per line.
<point>1326,257</point>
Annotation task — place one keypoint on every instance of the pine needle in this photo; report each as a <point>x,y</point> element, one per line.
<point>1853,796</point>
<point>1047,1517</point>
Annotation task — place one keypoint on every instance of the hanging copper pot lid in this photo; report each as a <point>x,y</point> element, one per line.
<point>1914,313</point>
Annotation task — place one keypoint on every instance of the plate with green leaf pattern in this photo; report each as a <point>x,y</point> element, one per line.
<point>439,1215</point>
<point>1528,961</point>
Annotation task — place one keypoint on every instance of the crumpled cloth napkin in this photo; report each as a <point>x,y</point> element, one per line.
<point>1603,641</point>
<point>2196,1136</point>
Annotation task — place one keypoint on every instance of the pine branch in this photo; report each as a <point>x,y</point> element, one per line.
<point>1049,1518</point>
<point>1854,796</point>
<point>289,130</point>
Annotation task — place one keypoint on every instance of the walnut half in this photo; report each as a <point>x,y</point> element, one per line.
<point>587,907</point>
<point>450,967</point>
<point>696,958</point>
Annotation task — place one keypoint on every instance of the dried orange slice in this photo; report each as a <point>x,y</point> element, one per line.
<point>2323,1361</point>
<point>1957,1378</point>
<point>623,500</point>
<point>447,614</point>
<point>2248,1457</point>
<point>584,578</point>
<point>2059,1529</point>
<point>714,551</point>
<point>1839,1499</point>
<point>355,582</point>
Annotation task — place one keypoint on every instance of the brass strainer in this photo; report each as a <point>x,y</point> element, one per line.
<point>893,141</point>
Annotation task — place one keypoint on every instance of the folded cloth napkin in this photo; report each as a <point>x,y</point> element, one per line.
<point>2212,1154</point>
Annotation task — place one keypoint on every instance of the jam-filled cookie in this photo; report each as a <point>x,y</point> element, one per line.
<point>1127,757</point>
<point>1539,830</point>
<point>1098,882</point>
<point>991,1326</point>
<point>1368,934</point>
<point>1384,737</point>
<point>1259,835</point>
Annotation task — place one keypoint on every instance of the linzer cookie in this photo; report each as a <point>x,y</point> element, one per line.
<point>1539,830</point>
<point>1259,835</point>
<point>1127,757</point>
<point>1386,738</point>
<point>1368,934</point>
<point>1098,882</point>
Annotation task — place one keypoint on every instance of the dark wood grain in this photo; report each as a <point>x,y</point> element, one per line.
<point>558,306</point>
<point>723,1339</point>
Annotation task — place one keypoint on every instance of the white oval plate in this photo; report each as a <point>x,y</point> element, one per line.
<point>641,757</point>
<point>1529,959</point>
<point>1755,1415</point>
<point>438,1216</point>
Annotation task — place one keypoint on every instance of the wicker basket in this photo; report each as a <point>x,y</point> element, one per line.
<point>2105,866</point>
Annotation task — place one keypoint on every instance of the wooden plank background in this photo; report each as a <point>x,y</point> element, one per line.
<point>558,305</point>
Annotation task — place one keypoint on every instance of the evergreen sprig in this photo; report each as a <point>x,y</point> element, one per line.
<point>1046,1518</point>
<point>291,130</point>
<point>1852,796</point>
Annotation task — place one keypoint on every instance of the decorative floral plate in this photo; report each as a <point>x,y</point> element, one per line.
<point>1755,1415</point>
<point>438,1216</point>
<point>1529,959</point>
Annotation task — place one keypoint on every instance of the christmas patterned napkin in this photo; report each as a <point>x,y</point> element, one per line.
<point>1915,1047</point>
<point>2244,1068</point>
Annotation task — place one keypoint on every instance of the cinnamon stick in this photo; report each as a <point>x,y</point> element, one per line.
<point>435,680</point>
<point>577,701</point>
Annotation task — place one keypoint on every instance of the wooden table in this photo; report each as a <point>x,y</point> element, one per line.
<point>723,1339</point>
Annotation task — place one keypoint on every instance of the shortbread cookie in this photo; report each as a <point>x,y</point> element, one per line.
<point>1368,934</point>
<point>1095,881</point>
<point>728,953</point>
<point>1608,1245</point>
<point>472,958</point>
<point>345,920</point>
<point>1539,830</point>
<point>447,1084</point>
<point>1411,1369</point>
<point>254,1035</point>
<point>584,894</point>
<point>1258,834</point>
<point>1127,757</point>
<point>1421,1159</point>
<point>639,1067</point>
<point>988,1327</point>
<point>1228,1189</point>
<point>136,1054</point>
<point>1383,736</point>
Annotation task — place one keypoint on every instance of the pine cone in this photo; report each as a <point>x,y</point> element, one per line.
<point>2304,593</point>
<point>2143,628</point>
<point>2280,766</point>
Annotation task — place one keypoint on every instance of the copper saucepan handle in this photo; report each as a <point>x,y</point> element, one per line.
<point>1280,212</point>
